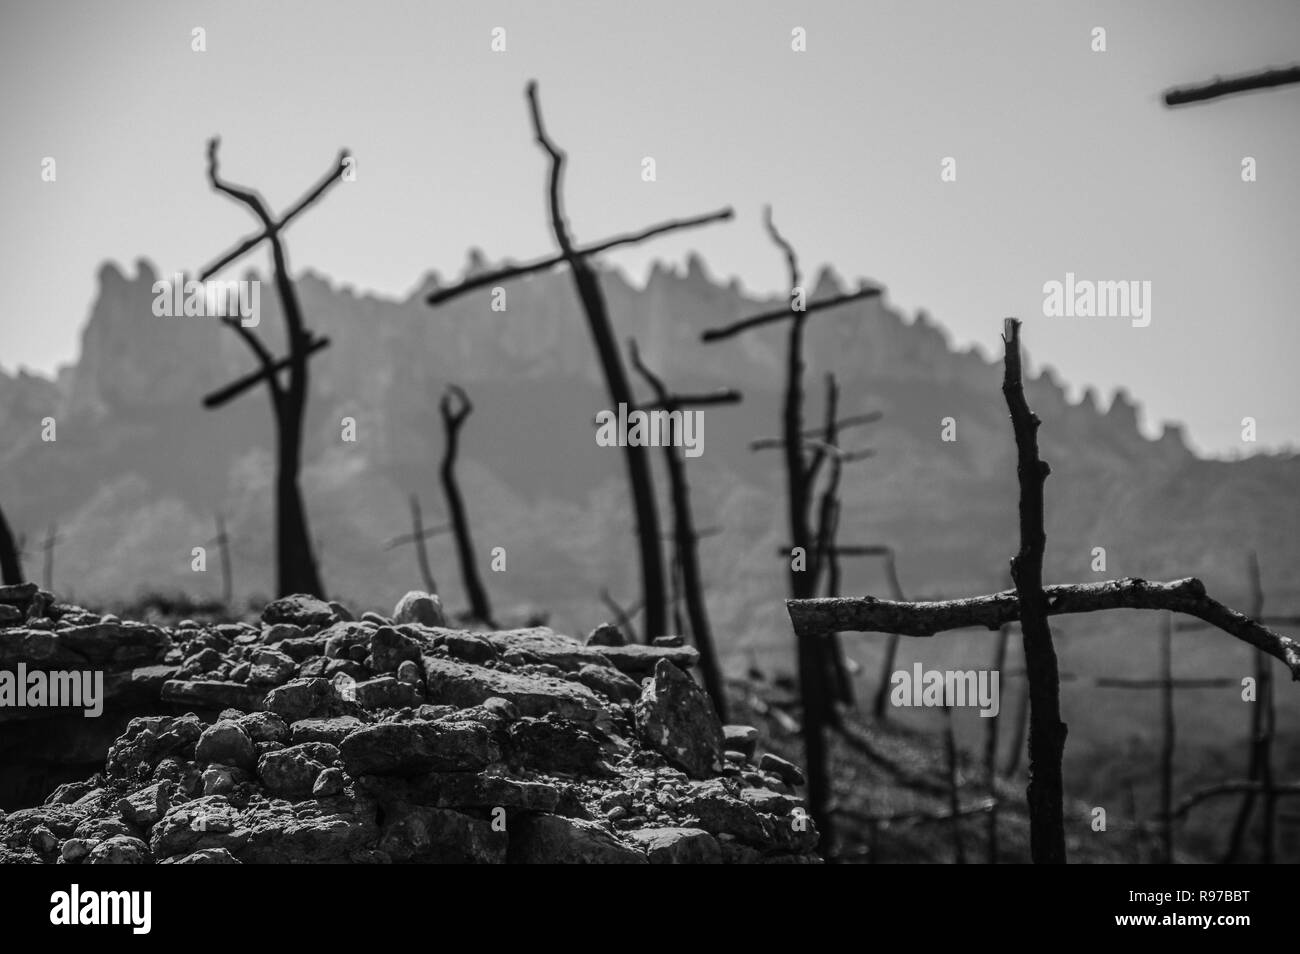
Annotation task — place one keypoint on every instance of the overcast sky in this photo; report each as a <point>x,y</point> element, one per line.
<point>1066,160</point>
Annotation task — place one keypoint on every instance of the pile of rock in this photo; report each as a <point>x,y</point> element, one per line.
<point>315,737</point>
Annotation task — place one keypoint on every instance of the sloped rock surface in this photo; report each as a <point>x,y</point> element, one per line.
<point>319,739</point>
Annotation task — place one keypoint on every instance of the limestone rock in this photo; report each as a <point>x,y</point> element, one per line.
<point>676,717</point>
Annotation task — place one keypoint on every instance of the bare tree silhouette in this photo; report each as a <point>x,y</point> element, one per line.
<point>419,533</point>
<point>11,569</point>
<point>636,458</point>
<point>455,407</point>
<point>1031,603</point>
<point>685,544</point>
<point>222,542</point>
<point>47,575</point>
<point>296,570</point>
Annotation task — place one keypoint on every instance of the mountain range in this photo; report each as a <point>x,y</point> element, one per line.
<point>139,469</point>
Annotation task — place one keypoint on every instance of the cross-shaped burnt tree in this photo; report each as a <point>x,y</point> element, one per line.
<point>1166,684</point>
<point>594,306</point>
<point>1259,779</point>
<point>455,407</point>
<point>685,550</point>
<point>1031,603</point>
<point>801,462</point>
<point>419,533</point>
<point>11,568</point>
<point>295,562</point>
<point>824,444</point>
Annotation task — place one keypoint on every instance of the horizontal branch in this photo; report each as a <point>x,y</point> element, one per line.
<point>1106,682</point>
<point>867,614</point>
<point>767,317</point>
<point>1231,788</point>
<point>675,401</point>
<point>816,433</point>
<point>1264,79</point>
<point>240,385</point>
<point>442,295</point>
<point>412,537</point>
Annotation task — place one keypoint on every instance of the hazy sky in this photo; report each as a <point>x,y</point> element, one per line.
<point>1066,160</point>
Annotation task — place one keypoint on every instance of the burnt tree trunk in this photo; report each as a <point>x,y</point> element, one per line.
<point>11,569</point>
<point>1047,732</point>
<point>637,459</point>
<point>227,576</point>
<point>295,563</point>
<point>880,708</point>
<point>418,537</point>
<point>1261,721</point>
<point>991,747</point>
<point>453,417</point>
<point>1167,738</point>
<point>686,548</point>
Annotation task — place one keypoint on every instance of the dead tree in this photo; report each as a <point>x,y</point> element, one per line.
<point>222,542</point>
<point>1166,684</point>
<point>1031,603</point>
<point>991,749</point>
<point>637,459</point>
<point>954,785</point>
<point>880,708</point>
<point>11,568</point>
<point>1220,86</point>
<point>455,407</point>
<point>419,533</point>
<point>685,544</point>
<point>800,470</point>
<point>622,616</point>
<point>296,570</point>
<point>47,576</point>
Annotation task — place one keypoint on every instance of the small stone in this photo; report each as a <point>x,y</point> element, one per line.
<point>741,738</point>
<point>328,783</point>
<point>671,642</point>
<point>271,668</point>
<point>299,608</point>
<point>120,850</point>
<point>227,744</point>
<point>341,611</point>
<point>75,849</point>
<point>370,616</point>
<point>419,607</point>
<point>788,772</point>
<point>410,672</point>
<point>606,634</point>
<point>391,648</point>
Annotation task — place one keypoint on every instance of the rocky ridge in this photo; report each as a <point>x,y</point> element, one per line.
<point>313,737</point>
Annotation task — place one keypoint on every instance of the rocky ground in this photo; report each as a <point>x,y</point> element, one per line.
<point>316,737</point>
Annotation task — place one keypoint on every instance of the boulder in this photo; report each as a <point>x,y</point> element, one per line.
<point>412,748</point>
<point>553,839</point>
<point>676,846</point>
<point>676,717</point>
<point>226,743</point>
<point>299,609</point>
